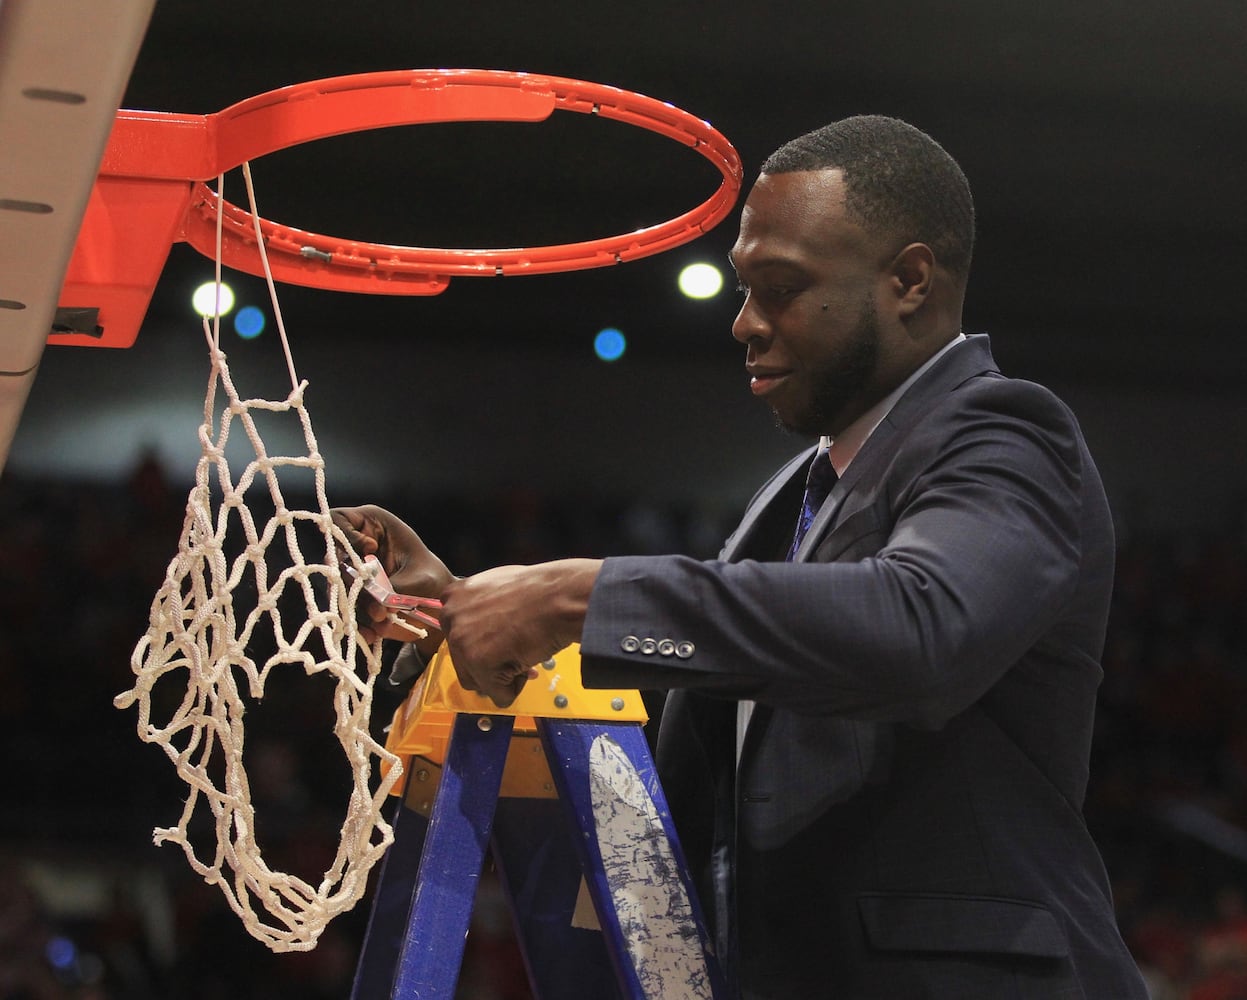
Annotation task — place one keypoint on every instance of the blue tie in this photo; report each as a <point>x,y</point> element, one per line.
<point>818,484</point>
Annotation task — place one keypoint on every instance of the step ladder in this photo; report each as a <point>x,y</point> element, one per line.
<point>561,787</point>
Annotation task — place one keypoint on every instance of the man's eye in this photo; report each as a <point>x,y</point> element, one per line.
<point>777,293</point>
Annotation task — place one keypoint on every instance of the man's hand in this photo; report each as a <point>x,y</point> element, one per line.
<point>407,561</point>
<point>501,623</point>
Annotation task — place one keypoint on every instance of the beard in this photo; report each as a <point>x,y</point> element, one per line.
<point>836,382</point>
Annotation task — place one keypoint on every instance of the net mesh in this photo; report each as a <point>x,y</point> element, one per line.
<point>202,639</point>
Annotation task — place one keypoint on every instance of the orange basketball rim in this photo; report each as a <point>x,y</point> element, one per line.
<point>150,192</point>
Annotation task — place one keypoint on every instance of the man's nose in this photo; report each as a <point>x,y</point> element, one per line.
<point>749,324</point>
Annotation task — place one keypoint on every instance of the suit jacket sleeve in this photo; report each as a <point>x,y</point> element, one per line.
<point>956,552</point>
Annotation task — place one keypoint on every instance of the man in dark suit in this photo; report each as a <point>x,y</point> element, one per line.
<point>876,745</point>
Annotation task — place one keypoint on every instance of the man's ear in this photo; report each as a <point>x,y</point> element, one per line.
<point>912,277</point>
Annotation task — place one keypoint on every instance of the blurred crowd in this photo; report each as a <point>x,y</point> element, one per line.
<point>89,910</point>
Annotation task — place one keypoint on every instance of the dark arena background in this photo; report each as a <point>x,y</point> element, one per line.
<point>1105,144</point>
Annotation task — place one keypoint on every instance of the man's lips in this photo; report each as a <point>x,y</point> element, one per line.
<point>764,380</point>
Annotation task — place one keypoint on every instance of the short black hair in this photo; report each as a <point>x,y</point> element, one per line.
<point>898,181</point>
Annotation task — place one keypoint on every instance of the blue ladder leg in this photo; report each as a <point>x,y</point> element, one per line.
<point>539,869</point>
<point>391,902</point>
<point>452,858</point>
<point>652,924</point>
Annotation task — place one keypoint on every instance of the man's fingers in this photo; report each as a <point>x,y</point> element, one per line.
<point>517,683</point>
<point>511,681</point>
<point>357,528</point>
<point>346,517</point>
<point>501,684</point>
<point>506,688</point>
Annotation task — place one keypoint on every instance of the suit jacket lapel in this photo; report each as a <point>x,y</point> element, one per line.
<point>963,361</point>
<point>769,502</point>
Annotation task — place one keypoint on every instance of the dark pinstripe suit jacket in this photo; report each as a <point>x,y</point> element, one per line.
<point>906,817</point>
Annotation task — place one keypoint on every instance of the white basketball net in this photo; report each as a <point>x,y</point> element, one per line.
<point>198,636</point>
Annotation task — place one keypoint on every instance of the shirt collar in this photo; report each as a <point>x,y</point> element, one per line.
<point>848,443</point>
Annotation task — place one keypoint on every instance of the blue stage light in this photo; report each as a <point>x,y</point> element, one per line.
<point>609,344</point>
<point>249,322</point>
<point>61,953</point>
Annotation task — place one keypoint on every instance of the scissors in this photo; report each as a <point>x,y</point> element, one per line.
<point>377,583</point>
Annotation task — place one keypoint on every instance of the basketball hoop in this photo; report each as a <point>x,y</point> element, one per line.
<point>150,191</point>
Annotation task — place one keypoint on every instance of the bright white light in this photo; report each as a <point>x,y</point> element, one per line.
<point>701,281</point>
<point>204,300</point>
